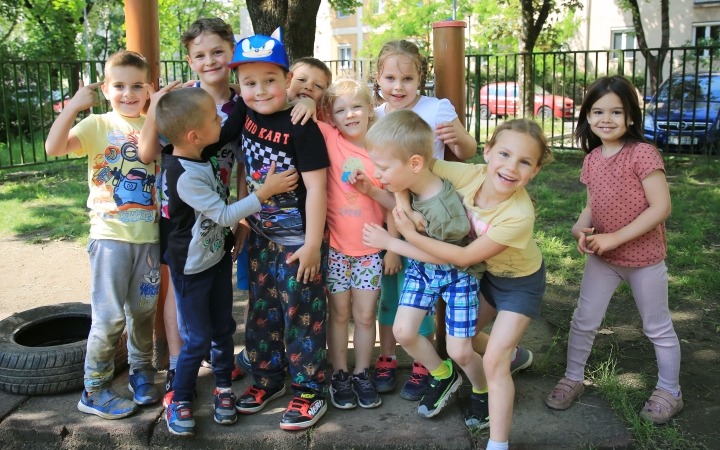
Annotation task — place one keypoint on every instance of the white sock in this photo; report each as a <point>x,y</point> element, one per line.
<point>224,390</point>
<point>393,357</point>
<point>515,352</point>
<point>173,362</point>
<point>492,445</point>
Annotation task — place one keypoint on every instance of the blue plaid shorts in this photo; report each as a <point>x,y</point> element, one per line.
<point>426,283</point>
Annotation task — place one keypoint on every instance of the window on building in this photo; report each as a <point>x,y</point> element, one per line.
<point>378,6</point>
<point>624,40</point>
<point>344,55</point>
<point>705,34</point>
<point>343,14</point>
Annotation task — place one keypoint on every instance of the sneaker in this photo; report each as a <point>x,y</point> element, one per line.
<point>168,397</point>
<point>303,412</point>
<point>106,403</point>
<point>179,418</point>
<point>237,373</point>
<point>366,393</point>
<point>478,414</point>
<point>523,359</point>
<point>206,363</point>
<point>141,384</point>
<point>254,399</point>
<point>341,391</point>
<point>416,386</point>
<point>661,406</point>
<point>242,361</point>
<point>224,403</point>
<point>439,392</point>
<point>384,377</point>
<point>565,392</point>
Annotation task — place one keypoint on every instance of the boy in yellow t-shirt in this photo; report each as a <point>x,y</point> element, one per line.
<point>123,242</point>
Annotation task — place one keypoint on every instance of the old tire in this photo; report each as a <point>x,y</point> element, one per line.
<point>545,113</point>
<point>484,112</point>
<point>42,350</point>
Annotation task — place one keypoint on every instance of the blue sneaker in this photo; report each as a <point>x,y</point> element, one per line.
<point>242,361</point>
<point>522,360</point>
<point>106,403</point>
<point>384,378</point>
<point>224,403</point>
<point>141,383</point>
<point>417,384</point>
<point>179,418</point>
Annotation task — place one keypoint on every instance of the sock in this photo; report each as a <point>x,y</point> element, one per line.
<point>492,445</point>
<point>173,362</point>
<point>224,390</point>
<point>441,372</point>
<point>391,357</point>
<point>480,391</point>
<point>515,352</point>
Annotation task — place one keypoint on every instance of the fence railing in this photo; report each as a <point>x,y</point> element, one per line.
<point>680,98</point>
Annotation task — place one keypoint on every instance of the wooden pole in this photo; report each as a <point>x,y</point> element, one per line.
<point>449,64</point>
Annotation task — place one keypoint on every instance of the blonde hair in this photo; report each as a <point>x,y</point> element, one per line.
<point>530,128</point>
<point>181,111</point>
<point>400,48</point>
<point>127,58</point>
<point>342,87</point>
<point>404,134</point>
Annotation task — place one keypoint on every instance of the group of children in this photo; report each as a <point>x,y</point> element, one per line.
<point>335,217</point>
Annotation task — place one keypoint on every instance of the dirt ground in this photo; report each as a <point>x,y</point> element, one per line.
<point>53,272</point>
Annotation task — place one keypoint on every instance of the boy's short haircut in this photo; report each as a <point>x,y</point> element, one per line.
<point>179,112</point>
<point>313,62</point>
<point>211,25</point>
<point>127,58</point>
<point>402,132</point>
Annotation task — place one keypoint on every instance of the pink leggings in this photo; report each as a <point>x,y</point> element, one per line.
<point>650,289</point>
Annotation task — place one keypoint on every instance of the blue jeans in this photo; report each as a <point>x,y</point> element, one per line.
<point>204,309</point>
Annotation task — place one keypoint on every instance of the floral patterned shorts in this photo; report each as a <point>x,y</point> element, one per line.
<point>359,272</point>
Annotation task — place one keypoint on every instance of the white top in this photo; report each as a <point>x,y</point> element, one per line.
<point>433,111</point>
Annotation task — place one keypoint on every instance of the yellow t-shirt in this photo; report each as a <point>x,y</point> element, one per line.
<point>122,188</point>
<point>509,223</point>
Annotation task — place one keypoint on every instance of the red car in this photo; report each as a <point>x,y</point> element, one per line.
<point>502,99</point>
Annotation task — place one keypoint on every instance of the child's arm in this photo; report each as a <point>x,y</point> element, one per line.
<point>658,197</point>
<point>360,181</point>
<point>315,211</point>
<point>377,237</point>
<point>59,141</point>
<point>148,146</point>
<point>303,110</point>
<point>402,200</point>
<point>392,263</point>
<point>582,227</point>
<point>454,135</point>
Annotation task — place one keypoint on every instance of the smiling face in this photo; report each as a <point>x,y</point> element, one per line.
<point>263,86</point>
<point>607,118</point>
<point>351,115</point>
<point>307,82</point>
<point>399,82</point>
<point>124,88</point>
<point>511,162</point>
<point>209,55</point>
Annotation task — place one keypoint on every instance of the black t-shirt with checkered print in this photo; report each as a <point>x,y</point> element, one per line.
<point>273,137</point>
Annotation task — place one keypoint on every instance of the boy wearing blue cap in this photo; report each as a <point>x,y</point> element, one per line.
<point>287,248</point>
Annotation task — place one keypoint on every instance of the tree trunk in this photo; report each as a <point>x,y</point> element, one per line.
<point>296,17</point>
<point>654,62</point>
<point>530,31</point>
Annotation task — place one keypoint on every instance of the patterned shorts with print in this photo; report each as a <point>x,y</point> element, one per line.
<point>359,272</point>
<point>426,283</point>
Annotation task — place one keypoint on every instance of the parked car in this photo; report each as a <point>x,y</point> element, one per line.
<point>684,112</point>
<point>502,99</point>
<point>59,100</point>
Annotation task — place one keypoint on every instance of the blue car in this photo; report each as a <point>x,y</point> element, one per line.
<point>683,115</point>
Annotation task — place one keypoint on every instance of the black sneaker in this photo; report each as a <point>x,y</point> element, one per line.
<point>367,395</point>
<point>168,397</point>
<point>438,392</point>
<point>341,391</point>
<point>417,384</point>
<point>303,411</point>
<point>478,415</point>
<point>384,378</point>
<point>254,399</point>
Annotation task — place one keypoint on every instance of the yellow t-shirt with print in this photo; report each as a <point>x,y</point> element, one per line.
<point>122,188</point>
<point>509,223</point>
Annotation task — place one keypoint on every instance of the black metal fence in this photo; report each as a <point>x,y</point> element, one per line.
<point>680,98</point>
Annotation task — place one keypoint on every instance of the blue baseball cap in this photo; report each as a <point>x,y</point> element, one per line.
<point>259,48</point>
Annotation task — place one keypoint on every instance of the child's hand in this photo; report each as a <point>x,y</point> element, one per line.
<point>601,243</point>
<point>402,200</point>
<point>376,236</point>
<point>448,133</point>
<point>360,181</point>
<point>419,222</point>
<point>156,96</point>
<point>86,97</point>
<point>277,183</point>
<point>309,259</point>
<point>580,235</point>
<point>241,232</point>
<point>190,83</point>
<point>403,223</point>
<point>392,263</point>
<point>303,110</point>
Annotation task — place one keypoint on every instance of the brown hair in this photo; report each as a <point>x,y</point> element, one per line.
<point>210,25</point>
<point>623,88</point>
<point>180,111</point>
<point>404,133</point>
<point>530,128</point>
<point>400,48</point>
<point>342,87</point>
<point>313,62</point>
<point>127,58</point>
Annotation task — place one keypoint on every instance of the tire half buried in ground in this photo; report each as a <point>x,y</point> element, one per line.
<point>42,350</point>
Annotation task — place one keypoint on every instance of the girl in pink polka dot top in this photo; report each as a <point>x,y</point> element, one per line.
<point>622,232</point>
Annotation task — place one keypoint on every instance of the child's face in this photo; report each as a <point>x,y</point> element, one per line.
<point>395,174</point>
<point>262,86</point>
<point>124,88</point>
<point>607,118</point>
<point>209,132</point>
<point>399,82</point>
<point>512,161</point>
<point>307,82</point>
<point>209,55</point>
<point>351,115</point>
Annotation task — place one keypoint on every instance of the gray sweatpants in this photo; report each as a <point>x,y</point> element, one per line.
<point>125,280</point>
<point>650,289</point>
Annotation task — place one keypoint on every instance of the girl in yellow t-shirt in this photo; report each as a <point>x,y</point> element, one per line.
<point>502,217</point>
